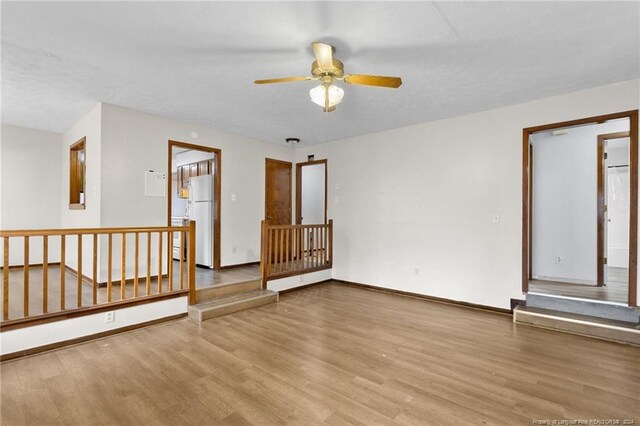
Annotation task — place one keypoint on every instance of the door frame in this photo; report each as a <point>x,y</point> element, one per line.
<point>633,195</point>
<point>217,190</point>
<point>290,164</point>
<point>601,201</point>
<point>299,167</point>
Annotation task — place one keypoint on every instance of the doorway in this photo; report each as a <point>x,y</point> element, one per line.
<point>583,178</point>
<point>613,210</point>
<point>311,192</point>
<point>194,194</point>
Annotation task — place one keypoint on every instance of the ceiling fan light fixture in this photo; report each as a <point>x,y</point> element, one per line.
<point>335,95</point>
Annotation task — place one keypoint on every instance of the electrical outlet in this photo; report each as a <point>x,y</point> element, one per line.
<point>558,259</point>
<point>416,271</point>
<point>233,197</point>
<point>234,250</point>
<point>109,316</point>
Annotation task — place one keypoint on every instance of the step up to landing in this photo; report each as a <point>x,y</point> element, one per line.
<point>227,289</point>
<point>584,307</point>
<point>606,329</point>
<point>234,303</point>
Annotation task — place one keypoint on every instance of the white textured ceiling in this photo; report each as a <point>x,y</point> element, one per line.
<point>197,61</point>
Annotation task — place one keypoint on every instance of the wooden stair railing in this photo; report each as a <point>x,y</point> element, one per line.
<point>88,295</point>
<point>288,250</point>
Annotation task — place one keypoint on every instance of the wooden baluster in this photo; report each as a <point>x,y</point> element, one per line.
<point>316,245</point>
<point>159,262</point>
<point>181,260</point>
<point>321,245</point>
<point>123,268</point>
<point>293,248</point>
<point>170,259</point>
<point>275,251</point>
<point>300,243</point>
<point>26,277</point>
<point>79,295</point>
<point>45,274</point>
<point>63,255</point>
<point>5,281</point>
<point>319,259</point>
<point>136,266</point>
<point>313,247</point>
<point>286,250</point>
<point>94,271</point>
<point>280,249</point>
<point>307,248</point>
<point>324,244</point>
<point>148,284</point>
<point>109,265</point>
<point>269,251</point>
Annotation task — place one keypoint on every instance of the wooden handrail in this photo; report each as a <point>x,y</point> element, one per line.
<point>287,250</point>
<point>86,231</point>
<point>19,293</point>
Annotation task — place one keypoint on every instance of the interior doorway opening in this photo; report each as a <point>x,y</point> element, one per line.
<point>194,194</point>
<point>580,196</point>
<point>311,192</point>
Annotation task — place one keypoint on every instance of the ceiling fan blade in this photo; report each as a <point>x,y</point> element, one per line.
<point>324,54</point>
<point>373,80</point>
<point>282,80</point>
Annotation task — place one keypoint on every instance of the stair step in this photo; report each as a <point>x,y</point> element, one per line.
<point>221,290</point>
<point>606,329</point>
<point>584,307</point>
<point>226,305</point>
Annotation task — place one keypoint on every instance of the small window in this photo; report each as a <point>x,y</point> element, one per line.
<point>77,173</point>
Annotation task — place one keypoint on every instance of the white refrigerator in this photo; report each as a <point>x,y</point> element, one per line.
<point>200,207</point>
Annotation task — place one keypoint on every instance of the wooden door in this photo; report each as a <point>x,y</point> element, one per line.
<point>278,192</point>
<point>278,203</point>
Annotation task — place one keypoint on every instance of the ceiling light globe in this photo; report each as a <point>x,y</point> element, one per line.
<point>336,94</point>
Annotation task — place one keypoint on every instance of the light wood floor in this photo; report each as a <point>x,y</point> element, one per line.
<point>330,354</point>
<point>208,277</point>
<point>204,278</point>
<point>616,290</point>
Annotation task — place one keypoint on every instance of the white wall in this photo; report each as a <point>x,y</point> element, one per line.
<point>133,142</point>
<point>413,207</point>
<point>39,335</point>
<point>299,280</point>
<point>312,196</point>
<point>30,182</point>
<point>565,208</point>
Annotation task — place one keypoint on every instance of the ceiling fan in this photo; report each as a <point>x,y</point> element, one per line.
<point>327,69</point>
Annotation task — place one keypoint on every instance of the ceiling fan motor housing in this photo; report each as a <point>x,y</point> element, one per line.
<point>336,71</point>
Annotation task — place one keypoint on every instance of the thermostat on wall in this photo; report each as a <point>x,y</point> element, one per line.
<point>155,184</point>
